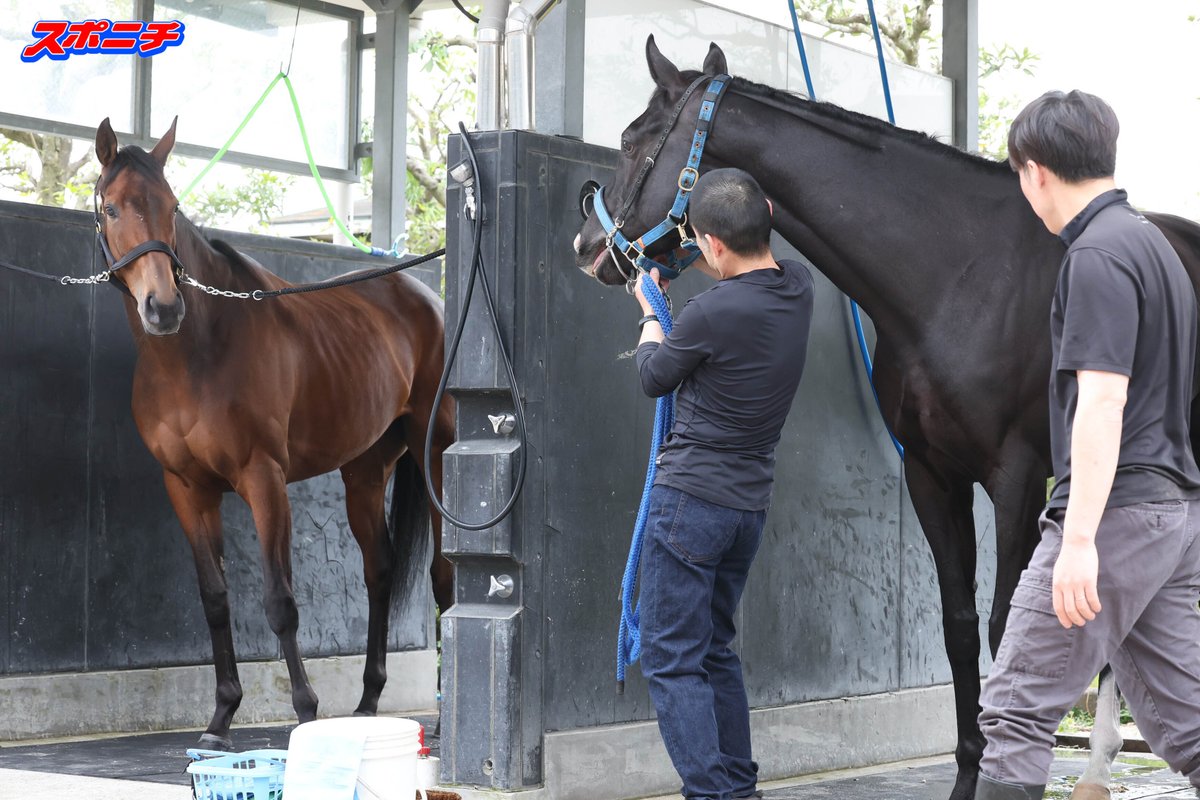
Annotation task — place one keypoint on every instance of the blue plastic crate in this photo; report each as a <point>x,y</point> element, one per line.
<point>253,775</point>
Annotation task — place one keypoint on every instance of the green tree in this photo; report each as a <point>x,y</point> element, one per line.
<point>259,194</point>
<point>39,166</point>
<point>447,64</point>
<point>906,27</point>
<point>997,111</point>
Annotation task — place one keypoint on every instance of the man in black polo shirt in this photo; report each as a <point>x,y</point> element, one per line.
<point>1116,578</point>
<point>735,357</point>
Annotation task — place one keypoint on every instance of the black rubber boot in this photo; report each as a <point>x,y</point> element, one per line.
<point>988,789</point>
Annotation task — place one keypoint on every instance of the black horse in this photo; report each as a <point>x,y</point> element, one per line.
<point>941,249</point>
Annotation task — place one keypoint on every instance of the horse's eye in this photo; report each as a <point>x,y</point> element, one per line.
<point>110,211</point>
<point>626,146</point>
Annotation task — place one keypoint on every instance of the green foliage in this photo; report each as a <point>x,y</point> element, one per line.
<point>996,112</point>
<point>904,26</point>
<point>1077,721</point>
<point>445,65</point>
<point>260,195</point>
<point>907,33</point>
<point>425,219</point>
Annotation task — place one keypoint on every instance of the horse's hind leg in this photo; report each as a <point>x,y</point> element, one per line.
<point>943,505</point>
<point>199,511</point>
<point>366,479</point>
<point>441,570</point>
<point>1106,742</point>
<point>263,486</point>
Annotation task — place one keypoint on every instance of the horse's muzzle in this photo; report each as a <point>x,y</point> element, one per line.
<point>163,319</point>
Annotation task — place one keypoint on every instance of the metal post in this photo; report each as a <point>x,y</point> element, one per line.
<point>558,70</point>
<point>518,47</point>
<point>518,44</point>
<point>142,75</point>
<point>489,116</point>
<point>391,119</point>
<point>960,63</point>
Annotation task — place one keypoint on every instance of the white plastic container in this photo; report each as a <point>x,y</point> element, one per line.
<point>353,758</point>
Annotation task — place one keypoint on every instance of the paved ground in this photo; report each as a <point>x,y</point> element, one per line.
<point>926,781</point>
<point>148,766</point>
<point>151,767</point>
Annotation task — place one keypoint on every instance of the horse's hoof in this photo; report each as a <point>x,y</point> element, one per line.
<point>210,742</point>
<point>1090,791</point>
<point>364,713</point>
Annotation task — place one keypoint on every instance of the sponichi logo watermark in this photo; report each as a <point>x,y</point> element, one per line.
<point>59,39</point>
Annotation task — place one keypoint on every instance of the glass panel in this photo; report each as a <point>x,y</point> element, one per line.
<point>84,88</point>
<point>617,86</point>
<point>231,53</point>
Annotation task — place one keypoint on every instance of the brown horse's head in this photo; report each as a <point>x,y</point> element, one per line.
<point>137,205</point>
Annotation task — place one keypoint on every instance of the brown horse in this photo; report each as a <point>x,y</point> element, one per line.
<point>247,397</point>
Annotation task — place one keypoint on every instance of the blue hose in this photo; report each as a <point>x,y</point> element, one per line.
<point>629,636</point>
<point>887,96</point>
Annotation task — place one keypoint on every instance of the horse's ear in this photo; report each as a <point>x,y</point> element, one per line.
<point>106,143</point>
<point>165,144</point>
<point>714,62</point>
<point>665,74</point>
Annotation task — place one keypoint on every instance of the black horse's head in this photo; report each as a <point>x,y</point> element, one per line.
<point>136,205</point>
<point>657,192</point>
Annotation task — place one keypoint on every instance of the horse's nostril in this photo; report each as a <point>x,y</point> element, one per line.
<point>587,198</point>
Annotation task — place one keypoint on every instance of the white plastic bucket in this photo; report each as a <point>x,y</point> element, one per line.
<point>322,756</point>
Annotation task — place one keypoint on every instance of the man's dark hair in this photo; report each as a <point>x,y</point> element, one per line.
<point>1073,134</point>
<point>730,205</point>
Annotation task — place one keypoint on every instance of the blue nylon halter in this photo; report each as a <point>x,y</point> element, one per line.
<point>676,219</point>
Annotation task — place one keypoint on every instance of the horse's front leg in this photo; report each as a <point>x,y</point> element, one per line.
<point>944,507</point>
<point>199,511</point>
<point>1018,492</point>
<point>263,486</point>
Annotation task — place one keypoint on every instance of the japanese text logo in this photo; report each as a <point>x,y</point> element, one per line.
<point>59,39</point>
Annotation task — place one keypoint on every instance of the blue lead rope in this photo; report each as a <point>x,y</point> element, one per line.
<point>629,636</point>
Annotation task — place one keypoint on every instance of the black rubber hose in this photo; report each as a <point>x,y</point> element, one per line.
<point>518,409</point>
<point>466,13</point>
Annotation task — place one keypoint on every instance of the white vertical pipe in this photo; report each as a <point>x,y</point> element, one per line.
<point>490,77</point>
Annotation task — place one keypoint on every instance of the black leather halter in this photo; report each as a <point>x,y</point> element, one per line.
<point>148,246</point>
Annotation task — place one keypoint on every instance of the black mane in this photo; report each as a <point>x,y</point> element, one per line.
<point>799,104</point>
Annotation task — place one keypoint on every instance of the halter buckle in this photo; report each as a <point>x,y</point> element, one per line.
<point>691,181</point>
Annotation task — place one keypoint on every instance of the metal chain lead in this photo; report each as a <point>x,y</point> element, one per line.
<point>190,281</point>
<point>102,277</point>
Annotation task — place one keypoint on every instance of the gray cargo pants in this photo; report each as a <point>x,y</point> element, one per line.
<point>1149,630</point>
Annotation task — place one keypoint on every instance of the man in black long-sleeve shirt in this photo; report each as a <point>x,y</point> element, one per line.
<point>734,358</point>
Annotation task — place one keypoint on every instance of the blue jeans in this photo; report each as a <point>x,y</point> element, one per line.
<point>695,559</point>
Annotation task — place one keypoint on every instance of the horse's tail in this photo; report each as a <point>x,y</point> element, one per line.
<point>408,527</point>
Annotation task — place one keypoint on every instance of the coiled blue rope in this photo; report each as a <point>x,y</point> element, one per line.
<point>629,635</point>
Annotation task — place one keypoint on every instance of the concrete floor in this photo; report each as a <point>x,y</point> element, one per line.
<point>151,766</point>
<point>934,782</point>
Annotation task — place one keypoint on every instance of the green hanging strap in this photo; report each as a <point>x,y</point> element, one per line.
<point>312,165</point>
